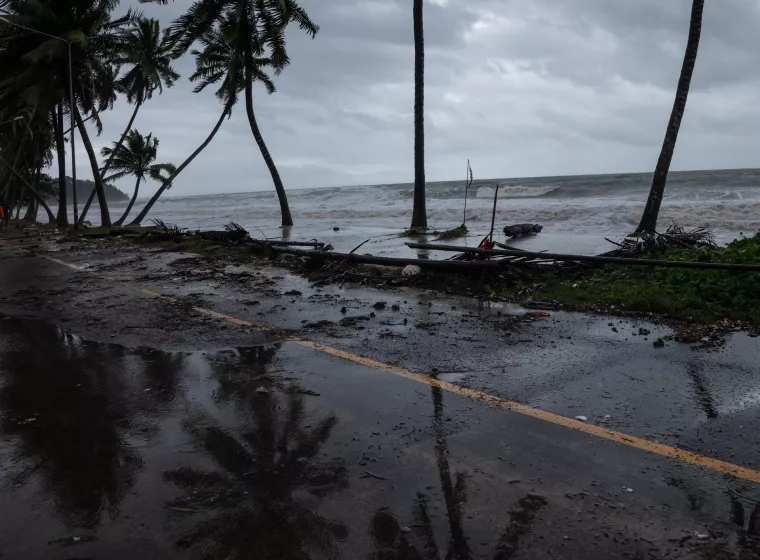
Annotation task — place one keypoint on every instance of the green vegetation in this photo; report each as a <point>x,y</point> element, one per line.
<point>700,296</point>
<point>459,231</point>
<point>691,294</point>
<point>414,232</point>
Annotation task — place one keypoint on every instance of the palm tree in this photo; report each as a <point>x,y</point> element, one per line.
<point>652,210</point>
<point>148,52</point>
<point>419,213</point>
<point>35,66</point>
<point>25,147</point>
<point>136,157</point>
<point>254,29</point>
<point>213,65</point>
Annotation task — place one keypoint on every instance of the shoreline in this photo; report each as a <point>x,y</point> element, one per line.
<point>624,291</point>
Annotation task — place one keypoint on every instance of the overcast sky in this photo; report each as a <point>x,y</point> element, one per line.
<point>521,87</point>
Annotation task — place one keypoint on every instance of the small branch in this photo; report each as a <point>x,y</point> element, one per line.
<point>358,246</point>
<point>370,474</point>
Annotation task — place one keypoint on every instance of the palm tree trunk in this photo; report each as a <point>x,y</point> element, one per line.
<point>287,219</point>
<point>419,212</point>
<point>105,218</point>
<point>35,193</point>
<point>131,203</point>
<point>30,214</point>
<point>110,159</point>
<point>63,218</point>
<point>165,185</point>
<point>651,212</point>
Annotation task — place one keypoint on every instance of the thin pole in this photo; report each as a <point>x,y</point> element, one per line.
<point>73,148</point>
<point>466,190</point>
<point>493,216</point>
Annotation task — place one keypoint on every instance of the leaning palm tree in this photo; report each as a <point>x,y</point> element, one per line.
<point>652,210</point>
<point>214,65</point>
<point>419,212</point>
<point>146,52</point>
<point>136,157</point>
<point>254,29</point>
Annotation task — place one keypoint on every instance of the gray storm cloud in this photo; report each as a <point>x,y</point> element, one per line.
<point>521,87</point>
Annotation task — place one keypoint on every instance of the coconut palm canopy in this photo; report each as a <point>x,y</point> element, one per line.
<point>128,57</point>
<point>136,157</point>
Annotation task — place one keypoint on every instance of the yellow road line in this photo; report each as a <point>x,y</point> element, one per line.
<point>591,429</point>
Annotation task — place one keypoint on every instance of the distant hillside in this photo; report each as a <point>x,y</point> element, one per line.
<point>84,188</point>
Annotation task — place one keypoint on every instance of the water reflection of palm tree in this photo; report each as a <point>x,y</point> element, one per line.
<point>390,542</point>
<point>264,495</point>
<point>69,417</point>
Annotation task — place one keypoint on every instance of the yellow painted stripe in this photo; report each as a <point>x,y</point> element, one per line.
<point>481,396</point>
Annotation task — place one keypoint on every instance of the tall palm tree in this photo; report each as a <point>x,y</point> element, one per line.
<point>35,66</point>
<point>419,213</point>
<point>147,54</point>
<point>254,29</point>
<point>136,156</point>
<point>652,210</point>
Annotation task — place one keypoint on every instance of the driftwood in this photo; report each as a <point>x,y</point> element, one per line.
<point>316,244</point>
<point>346,258</point>
<point>522,229</point>
<point>559,257</point>
<point>224,236</point>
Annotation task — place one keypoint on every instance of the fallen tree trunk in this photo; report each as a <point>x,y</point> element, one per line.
<point>445,266</point>
<point>589,258</point>
<point>287,243</point>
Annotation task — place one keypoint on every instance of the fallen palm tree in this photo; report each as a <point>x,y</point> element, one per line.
<point>560,257</point>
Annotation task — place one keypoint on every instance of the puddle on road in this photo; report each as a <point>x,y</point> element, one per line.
<point>85,427</point>
<point>134,452</point>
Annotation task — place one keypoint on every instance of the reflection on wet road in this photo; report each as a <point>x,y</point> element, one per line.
<point>275,451</point>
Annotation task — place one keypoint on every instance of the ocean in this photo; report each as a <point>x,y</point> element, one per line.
<point>577,212</point>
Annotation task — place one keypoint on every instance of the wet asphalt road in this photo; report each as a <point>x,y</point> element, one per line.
<point>132,427</point>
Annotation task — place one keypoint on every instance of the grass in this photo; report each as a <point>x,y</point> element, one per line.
<point>414,232</point>
<point>459,231</point>
<point>682,293</point>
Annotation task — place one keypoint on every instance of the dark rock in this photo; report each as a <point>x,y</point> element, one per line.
<point>319,325</point>
<point>380,305</point>
<point>522,229</point>
<point>659,343</point>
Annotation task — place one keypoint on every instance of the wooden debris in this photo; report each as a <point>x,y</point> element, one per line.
<point>674,236</point>
<point>559,257</point>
